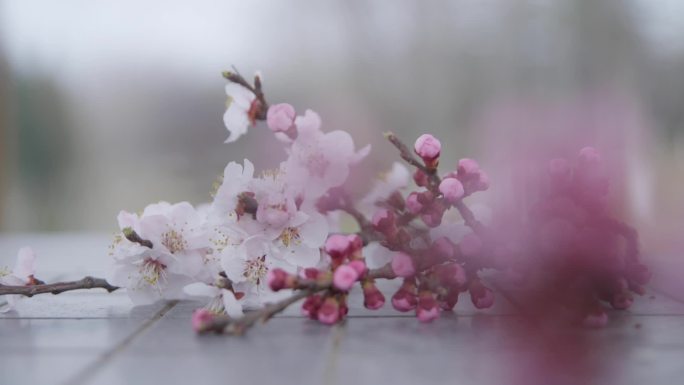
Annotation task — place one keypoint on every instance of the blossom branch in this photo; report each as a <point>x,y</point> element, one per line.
<point>58,287</point>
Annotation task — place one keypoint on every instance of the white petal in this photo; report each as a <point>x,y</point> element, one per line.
<point>231,305</point>
<point>26,263</point>
<point>314,232</point>
<point>201,289</point>
<point>309,124</point>
<point>237,122</point>
<point>239,96</point>
<point>361,154</point>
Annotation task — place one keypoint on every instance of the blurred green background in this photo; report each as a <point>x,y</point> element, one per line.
<point>111,105</point>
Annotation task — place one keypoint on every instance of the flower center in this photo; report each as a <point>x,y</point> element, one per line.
<point>174,242</point>
<point>4,271</point>
<point>290,236</point>
<point>153,272</point>
<point>255,270</point>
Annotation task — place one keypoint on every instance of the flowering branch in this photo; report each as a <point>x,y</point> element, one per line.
<point>58,287</point>
<point>265,233</point>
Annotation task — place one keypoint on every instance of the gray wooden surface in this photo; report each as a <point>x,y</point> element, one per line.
<point>99,338</point>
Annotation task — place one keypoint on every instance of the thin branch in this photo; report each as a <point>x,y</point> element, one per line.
<point>59,287</point>
<point>238,326</point>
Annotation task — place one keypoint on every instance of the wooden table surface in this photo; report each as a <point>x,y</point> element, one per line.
<point>94,337</point>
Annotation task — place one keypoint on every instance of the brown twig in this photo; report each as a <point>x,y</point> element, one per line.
<point>238,326</point>
<point>58,287</point>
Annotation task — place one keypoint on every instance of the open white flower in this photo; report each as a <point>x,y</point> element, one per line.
<point>300,242</point>
<point>240,110</point>
<point>178,256</point>
<point>247,265</point>
<point>21,275</point>
<point>236,180</point>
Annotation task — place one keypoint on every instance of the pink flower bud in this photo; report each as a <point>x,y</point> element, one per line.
<point>280,117</point>
<point>345,277</point>
<point>355,244</point>
<point>359,266</point>
<point>428,308</point>
<point>481,296</point>
<point>452,189</point>
<point>413,204</point>
<point>482,182</point>
<point>276,279</point>
<point>420,178</point>
<point>432,216</point>
<point>311,305</point>
<point>450,300</point>
<point>405,298</point>
<point>329,312</point>
<point>621,301</point>
<point>427,147</point>
<point>384,221</point>
<point>338,246</point>
<point>467,167</point>
<point>201,319</point>
<point>470,245</point>
<point>402,265</point>
<point>311,273</point>
<point>443,248</point>
<point>372,297</point>
<point>595,319</point>
<point>451,274</point>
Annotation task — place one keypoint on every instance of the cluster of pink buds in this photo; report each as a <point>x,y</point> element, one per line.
<point>434,272</point>
<point>347,267</point>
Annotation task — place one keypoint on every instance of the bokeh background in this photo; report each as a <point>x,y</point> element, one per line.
<point>111,105</point>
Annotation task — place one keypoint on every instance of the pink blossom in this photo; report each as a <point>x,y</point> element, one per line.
<point>405,299</point>
<point>470,245</point>
<point>597,319</point>
<point>427,147</point>
<point>384,221</point>
<point>621,301</point>
<point>329,312</point>
<point>428,308</point>
<point>443,248</point>
<point>372,297</point>
<point>451,274</point>
<point>481,296</point>
<point>311,305</point>
<point>280,117</point>
<point>452,189</point>
<point>359,266</point>
<point>402,265</point>
<point>420,178</point>
<point>338,246</point>
<point>344,277</point>
<point>413,205</point>
<point>277,279</point>
<point>201,319</point>
<point>467,166</point>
